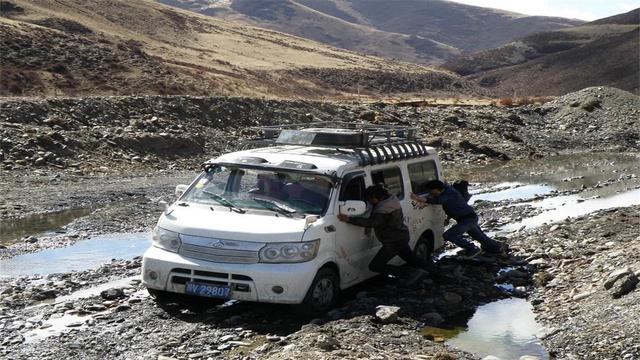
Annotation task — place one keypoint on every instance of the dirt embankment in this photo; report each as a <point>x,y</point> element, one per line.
<point>104,134</point>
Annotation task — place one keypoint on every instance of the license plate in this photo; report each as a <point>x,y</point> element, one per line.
<point>215,291</point>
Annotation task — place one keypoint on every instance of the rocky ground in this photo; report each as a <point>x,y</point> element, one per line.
<point>586,271</point>
<point>117,156</point>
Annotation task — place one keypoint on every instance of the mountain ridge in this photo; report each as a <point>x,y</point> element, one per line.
<point>427,31</point>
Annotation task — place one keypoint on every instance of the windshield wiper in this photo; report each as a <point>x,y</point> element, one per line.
<point>275,206</point>
<point>224,202</point>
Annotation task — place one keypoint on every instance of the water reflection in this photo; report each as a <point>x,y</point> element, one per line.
<point>574,206</point>
<point>506,329</point>
<point>515,192</point>
<point>86,254</point>
<point>13,230</point>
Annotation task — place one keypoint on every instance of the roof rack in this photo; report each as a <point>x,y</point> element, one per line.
<point>372,143</point>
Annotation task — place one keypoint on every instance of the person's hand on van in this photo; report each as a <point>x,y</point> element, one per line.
<point>417,198</point>
<point>343,217</point>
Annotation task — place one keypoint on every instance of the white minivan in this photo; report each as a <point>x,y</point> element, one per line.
<point>260,224</point>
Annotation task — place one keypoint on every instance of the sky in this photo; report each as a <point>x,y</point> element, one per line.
<point>574,9</point>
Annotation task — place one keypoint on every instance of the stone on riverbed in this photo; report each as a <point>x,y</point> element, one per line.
<point>387,314</point>
<point>621,282</point>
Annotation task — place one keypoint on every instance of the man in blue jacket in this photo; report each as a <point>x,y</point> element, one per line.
<point>456,207</point>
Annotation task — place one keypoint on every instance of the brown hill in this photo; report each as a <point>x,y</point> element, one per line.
<point>427,31</point>
<point>112,47</point>
<point>603,52</point>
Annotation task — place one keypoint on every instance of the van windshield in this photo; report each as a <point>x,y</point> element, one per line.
<point>280,191</point>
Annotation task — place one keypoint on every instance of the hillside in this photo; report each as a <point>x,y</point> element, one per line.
<point>427,31</point>
<point>603,52</point>
<point>116,47</point>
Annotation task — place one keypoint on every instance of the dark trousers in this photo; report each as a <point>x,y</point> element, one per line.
<point>470,226</point>
<point>379,263</point>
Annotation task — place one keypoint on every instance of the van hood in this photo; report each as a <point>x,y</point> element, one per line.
<point>223,224</point>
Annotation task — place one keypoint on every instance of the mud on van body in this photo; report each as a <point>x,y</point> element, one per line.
<point>261,225</point>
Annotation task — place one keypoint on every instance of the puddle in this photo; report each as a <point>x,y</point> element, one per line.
<point>56,326</point>
<point>13,230</point>
<point>515,192</point>
<point>573,206</point>
<point>563,172</point>
<point>506,329</point>
<point>82,255</point>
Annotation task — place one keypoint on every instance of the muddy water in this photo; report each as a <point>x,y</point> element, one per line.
<point>86,254</point>
<point>574,206</point>
<point>13,230</point>
<point>506,329</point>
<point>513,191</point>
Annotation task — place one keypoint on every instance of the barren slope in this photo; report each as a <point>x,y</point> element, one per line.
<point>603,52</point>
<point>422,31</point>
<point>119,47</point>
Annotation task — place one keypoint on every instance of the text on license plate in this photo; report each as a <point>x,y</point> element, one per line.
<point>217,291</point>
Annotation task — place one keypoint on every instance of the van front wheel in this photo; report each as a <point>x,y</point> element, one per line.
<point>424,249</point>
<point>323,293</point>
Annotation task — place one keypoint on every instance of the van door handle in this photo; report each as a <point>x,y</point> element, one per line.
<point>330,228</point>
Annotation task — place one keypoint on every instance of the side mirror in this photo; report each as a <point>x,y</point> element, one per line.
<point>353,207</point>
<point>180,189</point>
<point>163,205</point>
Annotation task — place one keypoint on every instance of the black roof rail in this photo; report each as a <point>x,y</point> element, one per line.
<point>372,143</point>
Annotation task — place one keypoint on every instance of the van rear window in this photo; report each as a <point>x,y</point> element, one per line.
<point>420,174</point>
<point>392,180</point>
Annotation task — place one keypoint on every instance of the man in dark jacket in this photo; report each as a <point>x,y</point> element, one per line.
<point>456,207</point>
<point>387,220</point>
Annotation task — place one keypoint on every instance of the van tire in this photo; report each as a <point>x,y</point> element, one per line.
<point>323,292</point>
<point>424,247</point>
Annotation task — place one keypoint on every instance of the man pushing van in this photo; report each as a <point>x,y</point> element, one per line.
<point>387,220</point>
<point>456,207</point>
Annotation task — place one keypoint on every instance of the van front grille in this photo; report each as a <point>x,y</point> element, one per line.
<point>219,255</point>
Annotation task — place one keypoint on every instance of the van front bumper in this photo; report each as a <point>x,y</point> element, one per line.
<point>164,270</point>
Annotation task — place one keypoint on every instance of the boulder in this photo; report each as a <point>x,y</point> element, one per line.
<point>623,285</point>
<point>112,294</point>
<point>387,314</point>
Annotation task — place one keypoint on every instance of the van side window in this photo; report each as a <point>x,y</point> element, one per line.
<point>420,174</point>
<point>392,180</point>
<point>353,190</point>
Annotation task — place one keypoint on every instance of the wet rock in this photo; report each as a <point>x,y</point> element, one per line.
<point>31,239</point>
<point>387,314</point>
<point>452,298</point>
<point>112,294</point>
<point>432,319</point>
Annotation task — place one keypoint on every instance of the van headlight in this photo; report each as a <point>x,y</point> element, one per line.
<point>165,239</point>
<point>289,252</point>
